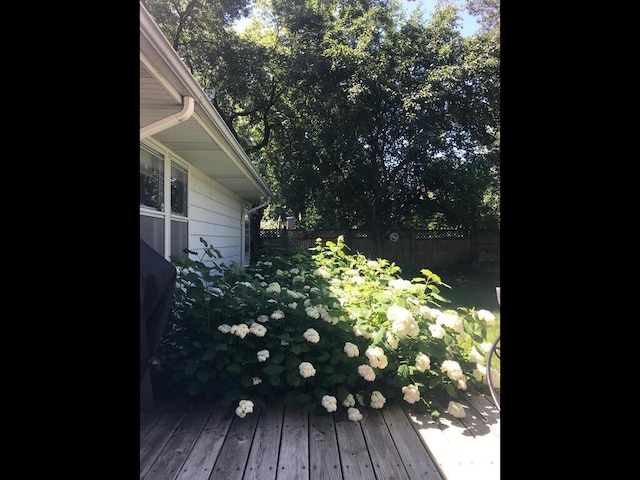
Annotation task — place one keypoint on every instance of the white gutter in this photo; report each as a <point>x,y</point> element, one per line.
<point>188,105</point>
<point>262,205</point>
<point>151,30</point>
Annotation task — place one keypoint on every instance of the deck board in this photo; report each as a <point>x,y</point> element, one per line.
<point>235,450</point>
<point>152,444</point>
<point>324,457</point>
<point>416,458</point>
<point>197,440</point>
<point>385,458</point>
<point>174,453</point>
<point>263,458</point>
<point>199,464</point>
<point>354,455</point>
<point>149,419</point>
<point>293,462</point>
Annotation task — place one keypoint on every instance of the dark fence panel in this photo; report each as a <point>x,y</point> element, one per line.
<point>419,248</point>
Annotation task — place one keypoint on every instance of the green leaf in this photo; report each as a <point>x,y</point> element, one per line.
<point>378,338</point>
<point>403,371</point>
<point>273,369</point>
<point>190,369</point>
<point>293,379</point>
<point>274,380</point>
<point>202,375</point>
<point>209,354</point>
<point>222,347</point>
<point>323,357</point>
<point>234,368</point>
<point>276,358</point>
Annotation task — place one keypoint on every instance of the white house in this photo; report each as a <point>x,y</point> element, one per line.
<point>195,178</point>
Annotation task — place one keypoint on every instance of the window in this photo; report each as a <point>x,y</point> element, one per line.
<point>151,180</point>
<point>155,225</point>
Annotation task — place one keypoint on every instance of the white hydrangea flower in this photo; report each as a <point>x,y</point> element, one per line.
<point>312,312</point>
<point>277,315</point>
<point>274,288</point>
<point>403,321</point>
<point>456,409</point>
<point>224,328</point>
<point>487,317</point>
<point>360,399</point>
<point>262,318</point>
<point>244,407</point>
<point>367,373</point>
<point>377,358</point>
<point>372,264</point>
<point>349,401</point>
<point>451,319</point>
<point>256,380</point>
<point>411,393</point>
<point>452,369</point>
<point>257,329</point>
<point>258,276</point>
<point>311,335</point>
<point>351,349</point>
<point>279,273</point>
<point>423,362</point>
<point>263,355</point>
<point>240,330</point>
<point>292,305</point>
<point>354,414</point>
<point>267,263</point>
<point>322,272</point>
<point>377,399</point>
<point>295,271</point>
<point>330,403</point>
<point>436,331</point>
<point>324,314</point>
<point>400,284</point>
<point>306,369</point>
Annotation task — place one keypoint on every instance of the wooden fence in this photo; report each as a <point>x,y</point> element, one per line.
<point>420,248</point>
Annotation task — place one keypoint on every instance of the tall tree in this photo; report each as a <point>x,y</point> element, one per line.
<point>356,116</point>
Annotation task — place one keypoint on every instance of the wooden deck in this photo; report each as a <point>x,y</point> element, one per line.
<point>183,440</point>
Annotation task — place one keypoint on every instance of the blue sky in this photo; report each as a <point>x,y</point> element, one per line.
<point>468,24</point>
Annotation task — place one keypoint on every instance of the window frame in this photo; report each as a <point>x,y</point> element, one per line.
<point>169,159</point>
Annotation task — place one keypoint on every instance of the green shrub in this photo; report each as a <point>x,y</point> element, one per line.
<point>329,330</point>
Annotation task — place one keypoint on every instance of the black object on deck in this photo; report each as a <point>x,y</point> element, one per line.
<point>157,283</point>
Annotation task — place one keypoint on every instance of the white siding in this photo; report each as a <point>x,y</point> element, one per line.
<point>215,214</point>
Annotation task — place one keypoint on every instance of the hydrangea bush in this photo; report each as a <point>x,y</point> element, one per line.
<point>330,330</point>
